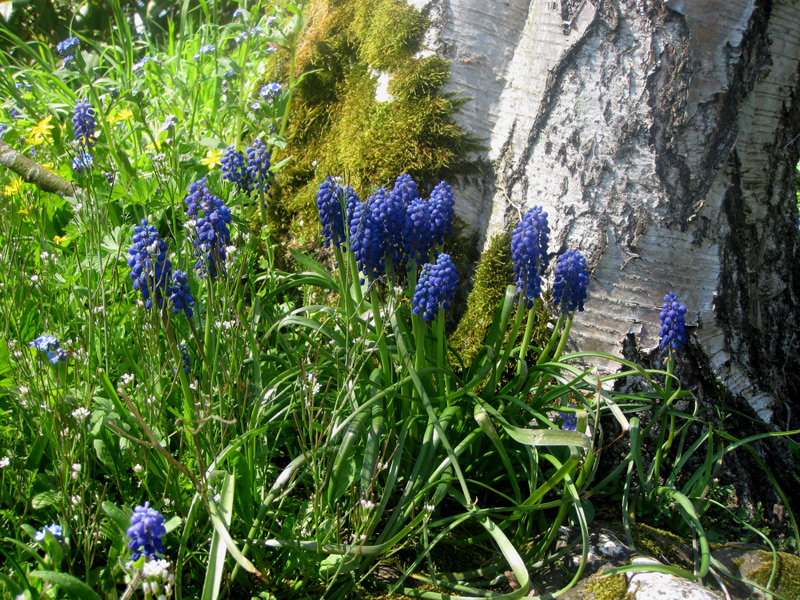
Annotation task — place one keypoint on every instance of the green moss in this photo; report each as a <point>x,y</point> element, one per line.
<point>494,273</point>
<point>657,543</point>
<point>786,580</point>
<point>613,587</point>
<point>337,126</point>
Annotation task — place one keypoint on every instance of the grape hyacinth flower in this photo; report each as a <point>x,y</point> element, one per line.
<point>68,47</point>
<point>529,252</point>
<point>180,294</point>
<point>389,214</point>
<point>329,203</point>
<point>270,91</point>
<point>146,530</point>
<point>53,529</point>
<point>150,269</point>
<point>83,123</point>
<point>366,240</point>
<point>212,230</point>
<point>82,162</point>
<point>436,286</point>
<point>259,176</point>
<point>234,168</point>
<point>673,323</point>
<point>49,344</point>
<point>571,279</point>
<point>442,212</point>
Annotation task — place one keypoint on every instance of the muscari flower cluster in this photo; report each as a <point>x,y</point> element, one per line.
<point>570,280</point>
<point>673,323</point>
<point>49,344</point>
<point>83,123</point>
<point>211,228</point>
<point>146,530</point>
<point>332,200</point>
<point>435,288</point>
<point>180,294</point>
<point>400,224</point>
<point>249,170</point>
<point>150,268</point>
<point>529,252</point>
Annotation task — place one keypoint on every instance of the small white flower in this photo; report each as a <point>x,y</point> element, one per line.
<point>366,504</point>
<point>137,468</point>
<point>34,278</point>
<point>23,390</point>
<point>430,507</point>
<point>5,461</point>
<point>77,467</point>
<point>80,414</point>
<point>216,498</point>
<point>75,500</point>
<point>126,379</point>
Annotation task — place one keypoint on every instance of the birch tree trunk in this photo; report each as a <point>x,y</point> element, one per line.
<point>661,136</point>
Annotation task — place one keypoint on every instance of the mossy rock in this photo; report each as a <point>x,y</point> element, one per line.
<point>756,564</point>
<point>610,587</point>
<point>662,544</point>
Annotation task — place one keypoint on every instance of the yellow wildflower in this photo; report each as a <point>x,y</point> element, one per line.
<point>57,239</point>
<point>48,165</point>
<point>40,133</point>
<point>23,211</point>
<point>212,159</point>
<point>16,186</point>
<point>121,115</point>
<point>156,146</point>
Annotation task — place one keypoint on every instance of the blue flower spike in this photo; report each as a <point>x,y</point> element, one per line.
<point>146,530</point>
<point>213,235</point>
<point>673,323</point>
<point>83,123</point>
<point>529,252</point>
<point>331,216</point>
<point>150,268</point>
<point>435,288</point>
<point>571,279</point>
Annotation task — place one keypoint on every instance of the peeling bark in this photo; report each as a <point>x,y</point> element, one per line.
<point>661,137</point>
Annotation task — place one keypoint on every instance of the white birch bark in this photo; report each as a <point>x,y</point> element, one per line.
<point>661,138</point>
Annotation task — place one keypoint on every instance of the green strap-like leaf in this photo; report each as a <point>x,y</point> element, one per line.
<point>72,585</point>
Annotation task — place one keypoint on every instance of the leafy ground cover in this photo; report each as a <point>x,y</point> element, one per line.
<point>182,417</point>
